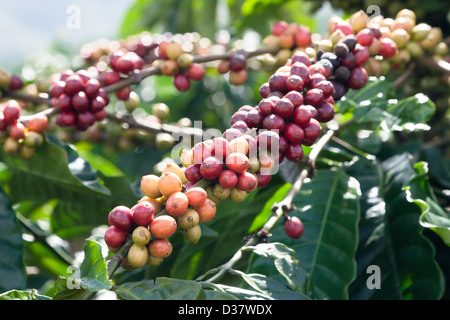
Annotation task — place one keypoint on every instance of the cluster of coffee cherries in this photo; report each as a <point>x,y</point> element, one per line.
<point>235,67</point>
<point>168,206</point>
<point>178,63</point>
<point>10,82</point>
<point>231,163</point>
<point>80,100</point>
<point>17,137</point>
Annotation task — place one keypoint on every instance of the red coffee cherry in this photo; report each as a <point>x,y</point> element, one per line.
<point>196,71</point>
<point>293,227</point>
<point>192,173</point>
<point>246,182</point>
<point>182,82</point>
<point>143,213</point>
<point>228,178</point>
<point>237,162</point>
<point>121,217</point>
<point>11,111</point>
<point>294,152</point>
<point>206,211</point>
<point>114,237</point>
<point>38,123</point>
<point>211,168</point>
<point>294,133</point>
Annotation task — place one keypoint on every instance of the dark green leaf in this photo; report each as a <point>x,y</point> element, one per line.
<point>23,295</point>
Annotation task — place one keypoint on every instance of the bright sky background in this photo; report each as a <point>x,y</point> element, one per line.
<point>31,26</point>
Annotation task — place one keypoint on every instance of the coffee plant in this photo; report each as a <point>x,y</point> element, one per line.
<point>321,173</point>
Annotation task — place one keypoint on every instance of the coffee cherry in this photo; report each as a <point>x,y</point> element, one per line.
<point>358,78</point>
<point>201,151</point>
<point>137,256</point>
<point>11,146</point>
<point>326,87</point>
<point>284,108</point>
<point>74,84</point>
<point>246,182</point>
<point>85,119</point>
<point>160,248</point>
<point>206,211</point>
<point>186,158</point>
<point>264,90</point>
<point>143,213</point>
<point>141,235</point>
<point>388,48</point>
<point>296,98</point>
<point>192,173</point>
<point>16,83</point>
<point>56,89</point>
<point>294,133</point>
<point>365,37</point>
<point>253,118</point>
<point>149,186</point>
<point>266,106</point>
<point>174,168</point>
<point>188,219</point>
<point>11,111</point>
<point>237,62</point>
<point>211,168</point>
<point>154,261</point>
<point>237,195</point>
<point>294,152</point>
<point>182,82</point>
<point>232,133</point>
<point>193,234</point>
<point>326,112</point>
<point>263,179</point>
<point>314,97</point>
<point>121,217</point>
<point>38,123</point>
<point>361,55</point>
<point>221,192</point>
<point>277,82</point>
<point>303,37</point>
<point>302,116</point>
<point>238,78</point>
<point>169,183</point>
<point>196,196</point>
<point>293,227</point>
<point>177,203</point>
<point>196,71</point>
<point>237,162</point>
<point>66,119</point>
<point>279,27</point>
<point>228,178</point>
<point>163,226</point>
<point>239,145</point>
<point>302,70</point>
<point>33,139</point>
<point>80,101</point>
<point>17,131</point>
<point>312,132</point>
<point>115,237</point>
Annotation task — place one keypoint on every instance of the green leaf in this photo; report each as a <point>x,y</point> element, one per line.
<point>391,236</point>
<point>91,277</point>
<point>23,295</point>
<point>12,268</point>
<point>328,206</point>
<point>166,289</point>
<point>433,216</point>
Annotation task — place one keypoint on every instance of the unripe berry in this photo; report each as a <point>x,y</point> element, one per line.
<point>17,131</point>
<point>237,195</point>
<point>149,186</point>
<point>33,139</point>
<point>237,162</point>
<point>193,234</point>
<point>188,219</point>
<point>220,192</point>
<point>141,236</point>
<point>172,167</point>
<point>154,261</point>
<point>137,256</point>
<point>38,123</point>
<point>238,77</point>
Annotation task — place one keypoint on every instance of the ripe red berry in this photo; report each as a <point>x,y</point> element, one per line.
<point>274,122</point>
<point>284,108</point>
<point>268,140</point>
<point>85,119</point>
<point>228,178</point>
<point>314,97</point>
<point>56,89</point>
<point>294,152</point>
<point>253,119</point>
<point>74,84</point>
<point>365,37</point>
<point>294,82</point>
<point>293,227</point>
<point>326,87</point>
<point>11,111</point>
<point>17,130</point>
<point>361,54</point>
<point>263,179</point>
<point>211,168</point>
<point>277,81</point>
<point>114,237</point>
<point>38,123</point>
<point>220,147</point>
<point>66,119</point>
<point>177,204</point>
<point>201,151</point>
<point>326,112</point>
<point>300,69</point>
<point>110,77</point>
<point>121,217</point>
<point>182,82</point>
<point>294,133</point>
<point>80,101</point>
<point>358,78</point>
<point>279,27</point>
<point>123,93</point>
<point>264,90</point>
<point>232,133</point>
<point>246,182</point>
<point>196,196</point>
<point>266,106</point>
<point>163,226</point>
<point>91,87</point>
<point>296,98</point>
<point>303,37</point>
<point>388,48</point>
<point>143,213</point>
<point>124,63</point>
<point>192,173</point>
<point>312,132</point>
<point>237,62</point>
<point>16,83</point>
<point>97,104</point>
<point>196,71</point>
<point>302,116</point>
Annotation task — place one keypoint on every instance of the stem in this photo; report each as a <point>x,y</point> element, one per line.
<point>279,209</point>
